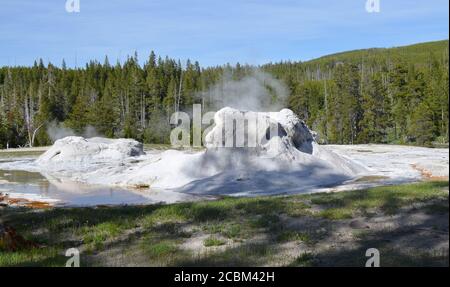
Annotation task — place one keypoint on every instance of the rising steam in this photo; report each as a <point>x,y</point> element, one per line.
<point>57,131</point>
<point>257,92</point>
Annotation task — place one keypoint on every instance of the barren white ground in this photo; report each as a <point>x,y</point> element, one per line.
<point>385,164</point>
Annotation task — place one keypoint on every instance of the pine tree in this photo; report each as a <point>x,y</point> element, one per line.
<point>421,128</point>
<point>375,121</point>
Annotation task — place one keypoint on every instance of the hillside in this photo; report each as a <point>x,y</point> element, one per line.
<point>377,95</point>
<point>419,53</point>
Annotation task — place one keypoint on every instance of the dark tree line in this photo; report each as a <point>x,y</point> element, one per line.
<point>387,96</point>
<point>397,95</point>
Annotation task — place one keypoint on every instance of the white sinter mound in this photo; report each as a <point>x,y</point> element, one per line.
<point>79,153</point>
<point>281,136</point>
<point>285,158</point>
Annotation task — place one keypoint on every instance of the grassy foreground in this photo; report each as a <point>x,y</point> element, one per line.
<point>407,223</point>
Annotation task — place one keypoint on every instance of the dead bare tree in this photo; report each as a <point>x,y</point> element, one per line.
<point>178,97</point>
<point>32,129</point>
<point>179,93</point>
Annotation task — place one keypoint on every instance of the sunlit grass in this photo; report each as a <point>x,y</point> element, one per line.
<point>165,227</point>
<point>213,241</point>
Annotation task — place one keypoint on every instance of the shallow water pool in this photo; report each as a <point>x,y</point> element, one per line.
<point>35,186</point>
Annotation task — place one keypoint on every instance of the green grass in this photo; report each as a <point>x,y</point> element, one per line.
<point>266,220</point>
<point>161,249</point>
<point>50,256</point>
<point>304,260</point>
<point>233,231</point>
<point>162,228</point>
<point>343,205</point>
<point>291,235</point>
<point>249,254</point>
<point>95,236</point>
<point>213,241</point>
<point>336,213</point>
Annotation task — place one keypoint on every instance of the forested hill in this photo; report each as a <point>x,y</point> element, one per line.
<point>420,54</point>
<point>393,95</point>
<point>380,95</point>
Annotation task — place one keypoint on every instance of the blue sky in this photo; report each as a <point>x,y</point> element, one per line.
<point>212,32</point>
